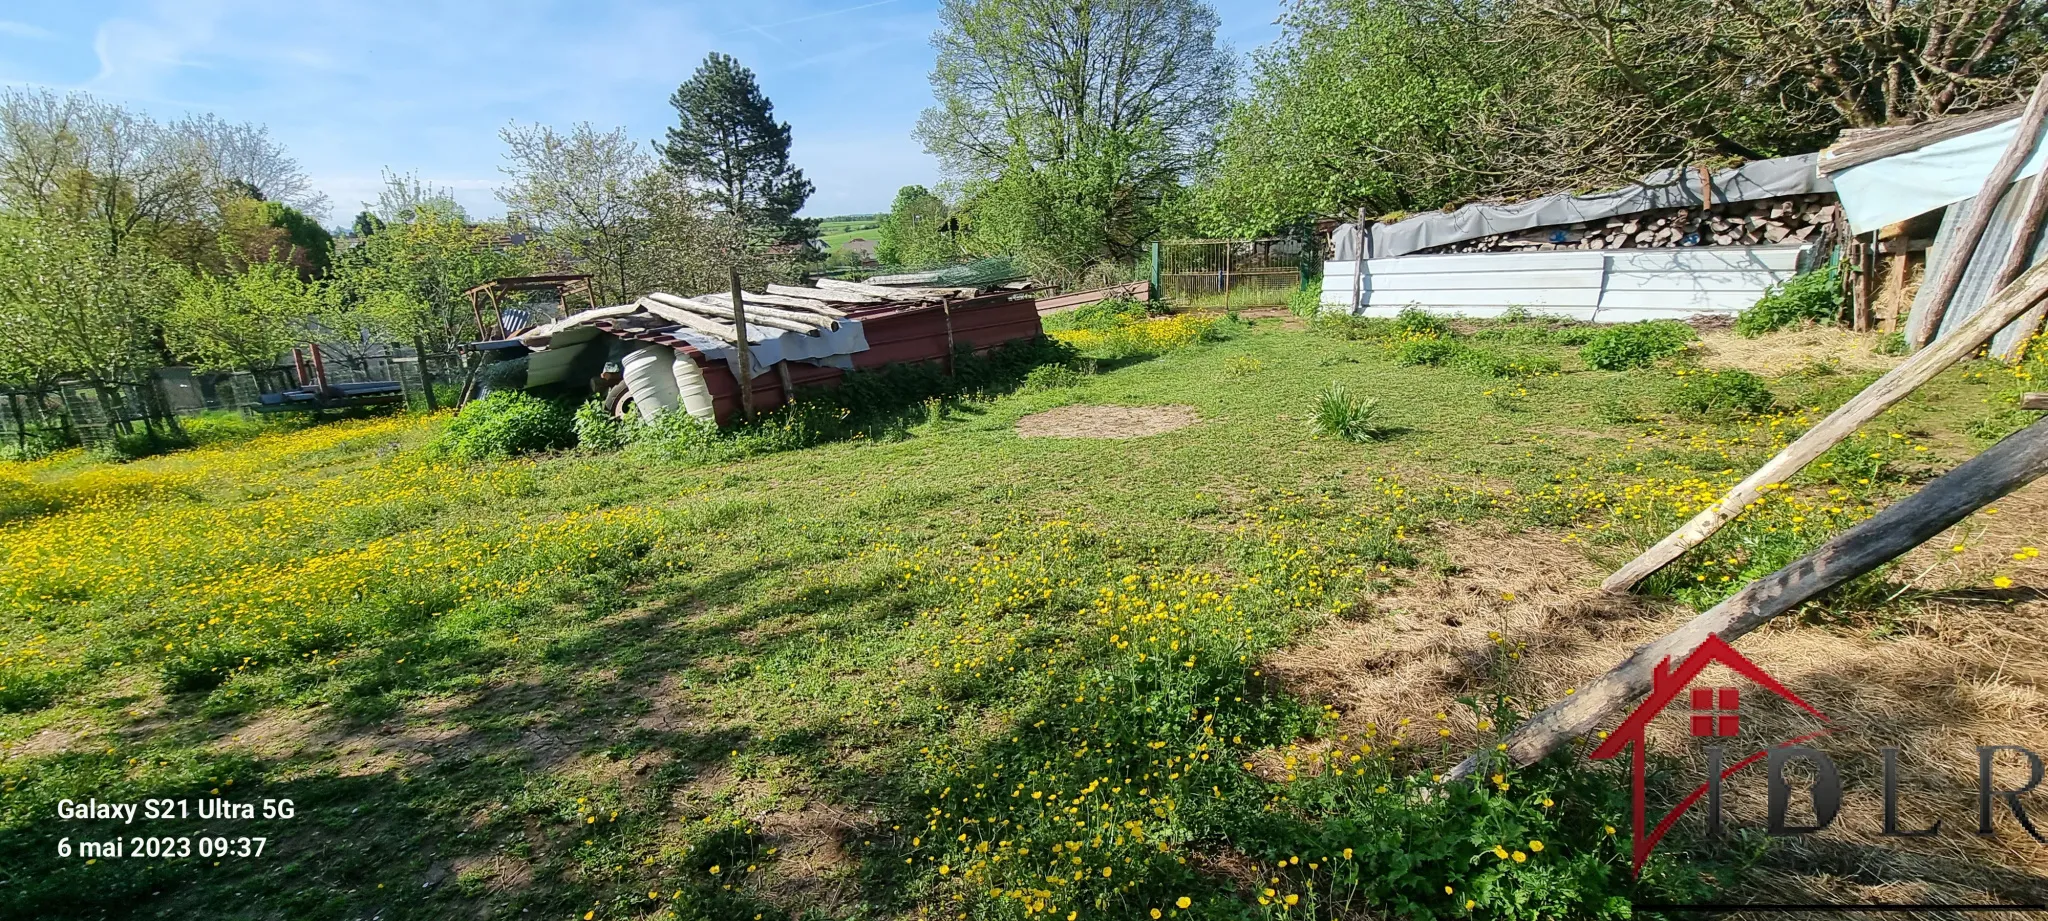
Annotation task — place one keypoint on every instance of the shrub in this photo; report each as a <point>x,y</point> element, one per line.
<point>1427,350</point>
<point>1415,321</point>
<point>1100,316</point>
<point>1636,345</point>
<point>1718,394</point>
<point>1338,414</point>
<point>596,430</point>
<point>1815,297</point>
<point>506,424</point>
<point>1145,335</point>
<point>1306,301</point>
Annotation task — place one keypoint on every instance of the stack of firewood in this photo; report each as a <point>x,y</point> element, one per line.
<point>1791,220</point>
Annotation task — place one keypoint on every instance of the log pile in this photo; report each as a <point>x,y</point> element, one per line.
<point>1789,221</point>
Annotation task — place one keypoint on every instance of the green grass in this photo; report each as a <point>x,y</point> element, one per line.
<point>578,683</point>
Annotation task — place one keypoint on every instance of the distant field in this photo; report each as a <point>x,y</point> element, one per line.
<point>836,232</point>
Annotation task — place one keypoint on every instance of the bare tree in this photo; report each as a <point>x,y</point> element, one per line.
<point>243,157</point>
<point>579,190</point>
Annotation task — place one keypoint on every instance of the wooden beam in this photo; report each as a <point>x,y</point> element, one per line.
<point>2008,465</point>
<point>2037,402</point>
<point>1840,424</point>
<point>1956,256</point>
<point>2016,262</point>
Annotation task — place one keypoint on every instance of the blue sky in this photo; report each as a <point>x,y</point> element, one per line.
<point>352,86</point>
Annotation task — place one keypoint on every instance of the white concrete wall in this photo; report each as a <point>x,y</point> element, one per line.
<point>1610,286</point>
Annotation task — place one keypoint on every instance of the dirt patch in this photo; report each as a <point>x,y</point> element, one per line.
<point>1795,350</point>
<point>1106,421</point>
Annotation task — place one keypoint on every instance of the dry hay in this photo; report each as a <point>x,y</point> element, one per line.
<point>1795,350</point>
<point>1106,421</point>
<point>1957,666</point>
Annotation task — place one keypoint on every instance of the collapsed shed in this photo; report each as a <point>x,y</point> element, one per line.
<point>664,352</point>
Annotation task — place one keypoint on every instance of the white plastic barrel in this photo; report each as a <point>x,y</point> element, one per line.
<point>651,379</point>
<point>690,386</point>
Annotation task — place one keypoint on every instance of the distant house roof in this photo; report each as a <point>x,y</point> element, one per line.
<point>861,245</point>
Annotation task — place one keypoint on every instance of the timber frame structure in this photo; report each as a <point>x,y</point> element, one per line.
<point>494,290</point>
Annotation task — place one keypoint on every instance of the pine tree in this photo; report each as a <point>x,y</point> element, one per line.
<point>730,146</point>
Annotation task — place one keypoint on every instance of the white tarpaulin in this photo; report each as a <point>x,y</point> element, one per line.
<point>1912,183</point>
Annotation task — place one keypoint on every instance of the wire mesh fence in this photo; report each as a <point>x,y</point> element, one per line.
<point>87,414</point>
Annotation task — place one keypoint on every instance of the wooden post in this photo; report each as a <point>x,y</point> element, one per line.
<point>1955,258</point>
<point>1860,258</point>
<point>1895,280</point>
<point>739,322</point>
<point>946,309</point>
<point>20,427</point>
<point>2037,402</point>
<point>2016,262</point>
<point>1358,269</point>
<point>419,353</point>
<point>2008,465</point>
<point>1841,423</point>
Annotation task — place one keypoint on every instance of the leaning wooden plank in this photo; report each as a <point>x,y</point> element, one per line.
<point>798,303</point>
<point>835,296</point>
<point>1843,422</point>
<point>709,307</point>
<point>1956,256</point>
<point>692,320</point>
<point>2008,465</point>
<point>539,335</point>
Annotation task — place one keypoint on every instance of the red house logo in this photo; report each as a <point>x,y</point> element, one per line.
<point>1715,714</point>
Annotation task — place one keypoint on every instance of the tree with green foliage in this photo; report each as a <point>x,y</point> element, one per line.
<point>729,146</point>
<point>243,320</point>
<point>916,230</point>
<point>406,283</point>
<point>68,306</point>
<point>1069,123</point>
<point>1409,105</point>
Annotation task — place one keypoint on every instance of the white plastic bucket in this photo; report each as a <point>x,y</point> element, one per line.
<point>695,394</point>
<point>650,378</point>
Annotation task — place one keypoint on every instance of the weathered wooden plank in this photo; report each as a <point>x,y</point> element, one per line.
<point>2034,401</point>
<point>2010,464</point>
